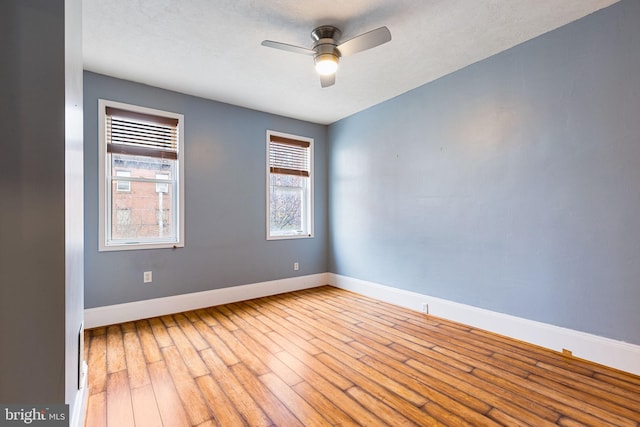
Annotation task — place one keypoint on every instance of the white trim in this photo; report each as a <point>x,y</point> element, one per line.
<point>605,351</point>
<point>309,194</point>
<point>104,188</point>
<point>112,314</point>
<point>76,419</point>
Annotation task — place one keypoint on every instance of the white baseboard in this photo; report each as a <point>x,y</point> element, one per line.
<point>118,313</point>
<point>605,351</point>
<point>76,419</point>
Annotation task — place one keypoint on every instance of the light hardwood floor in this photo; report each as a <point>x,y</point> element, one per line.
<point>326,356</point>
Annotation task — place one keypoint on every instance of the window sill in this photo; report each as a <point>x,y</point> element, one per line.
<point>139,246</point>
<point>288,237</point>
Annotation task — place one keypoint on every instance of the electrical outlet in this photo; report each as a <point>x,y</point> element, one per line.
<point>425,308</point>
<point>296,266</point>
<point>147,277</point>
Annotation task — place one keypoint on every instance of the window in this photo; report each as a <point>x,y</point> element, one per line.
<point>141,170</point>
<point>121,184</point>
<point>289,186</point>
<point>162,188</point>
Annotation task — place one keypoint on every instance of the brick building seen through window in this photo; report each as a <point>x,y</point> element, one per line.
<point>141,209</point>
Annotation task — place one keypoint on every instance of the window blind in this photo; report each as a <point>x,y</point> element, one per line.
<point>288,156</point>
<point>141,134</point>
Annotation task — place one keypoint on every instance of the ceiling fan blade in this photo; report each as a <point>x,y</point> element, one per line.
<point>327,80</point>
<point>365,41</point>
<point>287,47</point>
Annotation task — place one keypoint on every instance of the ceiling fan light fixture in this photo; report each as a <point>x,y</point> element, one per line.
<point>326,64</point>
<point>327,48</point>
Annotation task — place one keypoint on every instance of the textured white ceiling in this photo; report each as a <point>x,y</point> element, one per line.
<point>211,48</point>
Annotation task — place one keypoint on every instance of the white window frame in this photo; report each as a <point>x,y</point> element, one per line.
<point>309,203</point>
<point>105,186</point>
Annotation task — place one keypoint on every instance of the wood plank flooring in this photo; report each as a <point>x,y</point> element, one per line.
<point>326,356</point>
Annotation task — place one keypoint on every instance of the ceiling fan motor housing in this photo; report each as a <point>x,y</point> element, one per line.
<point>325,41</point>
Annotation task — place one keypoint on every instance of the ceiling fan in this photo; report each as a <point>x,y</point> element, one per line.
<point>327,49</point>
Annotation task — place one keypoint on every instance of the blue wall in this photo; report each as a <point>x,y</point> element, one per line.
<point>511,185</point>
<point>225,202</point>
